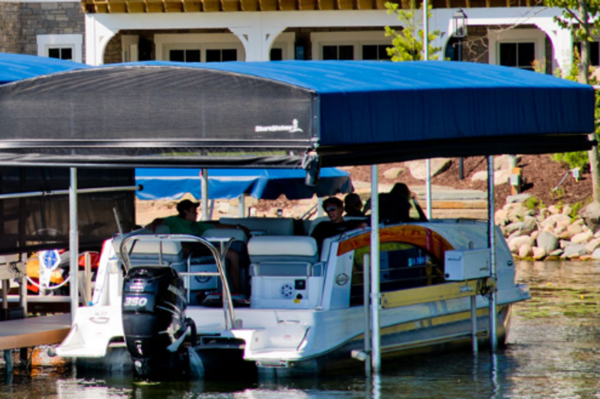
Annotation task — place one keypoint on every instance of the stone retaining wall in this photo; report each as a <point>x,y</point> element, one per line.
<point>21,23</point>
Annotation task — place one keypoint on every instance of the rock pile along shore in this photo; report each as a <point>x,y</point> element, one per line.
<point>551,233</point>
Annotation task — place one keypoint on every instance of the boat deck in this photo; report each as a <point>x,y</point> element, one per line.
<point>34,331</point>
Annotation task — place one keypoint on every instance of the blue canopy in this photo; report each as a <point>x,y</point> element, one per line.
<point>230,183</point>
<point>289,114</point>
<point>15,67</point>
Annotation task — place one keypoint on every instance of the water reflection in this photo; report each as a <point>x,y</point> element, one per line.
<point>552,352</point>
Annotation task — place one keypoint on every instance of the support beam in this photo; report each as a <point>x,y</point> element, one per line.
<point>492,246</point>
<point>73,244</point>
<point>375,294</point>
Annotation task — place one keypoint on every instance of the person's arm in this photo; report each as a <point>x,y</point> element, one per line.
<point>422,216</point>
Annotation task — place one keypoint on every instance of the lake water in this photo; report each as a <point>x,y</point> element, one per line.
<point>553,351</point>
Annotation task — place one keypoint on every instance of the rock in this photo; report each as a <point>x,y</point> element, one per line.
<point>517,214</point>
<point>582,238</point>
<point>556,219</point>
<point>547,241</point>
<point>563,243</point>
<point>525,250</point>
<point>520,240</point>
<point>538,253</point>
<point>556,252</point>
<point>512,227</point>
<point>574,251</point>
<point>554,210</point>
<point>506,161</point>
<point>565,235</point>
<point>596,254</point>
<point>519,198</point>
<point>392,173</point>
<point>479,176</point>
<point>500,176</point>
<point>574,229</point>
<point>559,230</point>
<point>592,245</point>
<point>516,234</point>
<point>544,213</point>
<point>567,210</point>
<point>585,257</point>
<point>501,217</point>
<point>535,234</point>
<point>528,226</point>
<point>591,215</point>
<point>563,222</point>
<point>418,169</point>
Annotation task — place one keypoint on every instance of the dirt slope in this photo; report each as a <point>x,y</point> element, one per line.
<point>541,175</point>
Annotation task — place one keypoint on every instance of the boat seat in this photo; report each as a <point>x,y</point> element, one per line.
<point>267,226</point>
<point>146,252</point>
<point>207,263</point>
<point>215,234</point>
<point>283,256</point>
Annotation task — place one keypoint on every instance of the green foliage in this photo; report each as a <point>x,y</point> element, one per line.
<point>407,44</point>
<point>541,205</point>
<point>532,202</point>
<point>575,210</point>
<point>570,19</point>
<point>572,159</point>
<point>579,159</point>
<point>557,195</point>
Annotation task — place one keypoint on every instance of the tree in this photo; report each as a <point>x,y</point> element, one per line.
<point>408,43</point>
<point>581,18</point>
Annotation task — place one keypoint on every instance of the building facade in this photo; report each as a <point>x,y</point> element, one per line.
<point>509,32</point>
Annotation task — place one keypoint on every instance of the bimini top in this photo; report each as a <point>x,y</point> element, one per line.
<point>227,183</point>
<point>15,67</point>
<point>288,114</point>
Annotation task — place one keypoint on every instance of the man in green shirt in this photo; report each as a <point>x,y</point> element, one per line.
<point>185,222</point>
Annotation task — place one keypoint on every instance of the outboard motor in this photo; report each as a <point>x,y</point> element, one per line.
<point>154,321</point>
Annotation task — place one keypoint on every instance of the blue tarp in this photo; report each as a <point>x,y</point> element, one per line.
<point>15,67</point>
<point>285,114</point>
<point>231,183</point>
<point>374,102</point>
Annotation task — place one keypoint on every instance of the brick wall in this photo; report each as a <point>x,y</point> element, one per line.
<point>20,23</point>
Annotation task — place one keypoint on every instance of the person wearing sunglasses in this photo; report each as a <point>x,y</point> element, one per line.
<point>334,207</point>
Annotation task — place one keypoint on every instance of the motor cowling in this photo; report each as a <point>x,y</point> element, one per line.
<point>154,319</point>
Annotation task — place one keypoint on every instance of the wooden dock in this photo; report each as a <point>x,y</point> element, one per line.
<point>34,331</point>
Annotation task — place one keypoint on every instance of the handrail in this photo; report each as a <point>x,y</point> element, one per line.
<point>230,321</point>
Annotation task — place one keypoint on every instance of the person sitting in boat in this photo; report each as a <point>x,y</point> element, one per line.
<point>396,206</point>
<point>353,205</point>
<point>334,207</point>
<point>185,222</point>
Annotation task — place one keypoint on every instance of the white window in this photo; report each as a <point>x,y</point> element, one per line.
<point>199,47</point>
<point>64,47</point>
<point>517,48</point>
<point>367,45</point>
<point>129,45</point>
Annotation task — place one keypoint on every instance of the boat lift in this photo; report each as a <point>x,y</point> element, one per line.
<point>312,114</point>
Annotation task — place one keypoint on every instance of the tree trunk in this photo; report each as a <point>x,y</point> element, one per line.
<point>584,78</point>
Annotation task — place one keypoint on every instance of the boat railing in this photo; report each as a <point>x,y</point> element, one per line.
<point>128,244</point>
